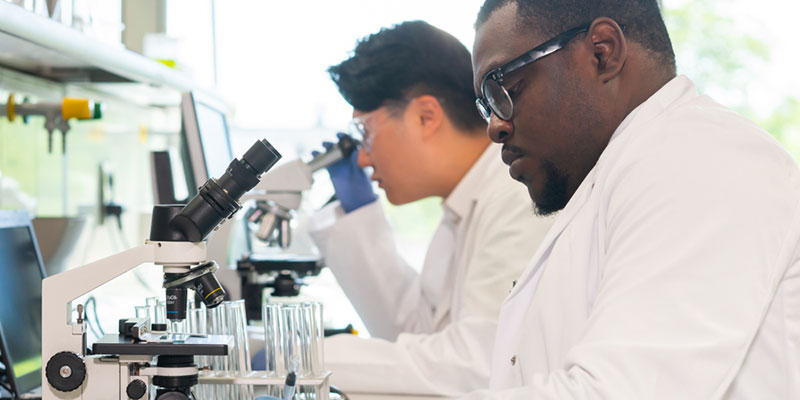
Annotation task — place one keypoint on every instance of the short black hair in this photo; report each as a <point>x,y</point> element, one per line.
<point>642,19</point>
<point>407,60</point>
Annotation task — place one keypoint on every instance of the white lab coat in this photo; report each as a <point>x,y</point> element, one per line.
<point>672,273</point>
<point>451,314</point>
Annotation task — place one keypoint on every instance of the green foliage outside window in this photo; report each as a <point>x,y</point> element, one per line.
<point>729,61</point>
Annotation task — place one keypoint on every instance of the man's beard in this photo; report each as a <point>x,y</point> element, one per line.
<point>553,196</point>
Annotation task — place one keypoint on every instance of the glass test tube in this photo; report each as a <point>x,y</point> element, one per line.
<point>142,311</point>
<point>160,315</point>
<point>240,362</point>
<point>196,325</point>
<point>315,335</point>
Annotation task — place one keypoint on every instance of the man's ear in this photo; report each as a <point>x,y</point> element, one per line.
<point>428,113</point>
<point>610,47</point>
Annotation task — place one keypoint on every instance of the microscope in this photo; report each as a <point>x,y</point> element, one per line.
<point>277,197</point>
<point>125,365</point>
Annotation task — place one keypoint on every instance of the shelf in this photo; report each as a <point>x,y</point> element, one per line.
<point>44,48</point>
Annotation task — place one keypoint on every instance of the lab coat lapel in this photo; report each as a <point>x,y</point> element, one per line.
<point>530,277</point>
<point>506,372</point>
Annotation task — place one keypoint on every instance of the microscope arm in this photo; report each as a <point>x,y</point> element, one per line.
<point>58,291</point>
<point>284,185</point>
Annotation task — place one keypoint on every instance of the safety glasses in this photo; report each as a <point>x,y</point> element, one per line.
<point>495,97</point>
<point>358,130</point>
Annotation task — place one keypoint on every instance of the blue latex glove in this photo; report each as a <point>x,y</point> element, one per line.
<point>352,186</point>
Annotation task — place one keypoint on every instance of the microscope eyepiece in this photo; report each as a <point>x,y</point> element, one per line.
<point>218,199</point>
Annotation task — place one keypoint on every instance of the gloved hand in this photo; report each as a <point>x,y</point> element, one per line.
<point>352,186</point>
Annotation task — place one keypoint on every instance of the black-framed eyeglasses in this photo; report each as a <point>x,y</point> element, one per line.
<point>495,98</point>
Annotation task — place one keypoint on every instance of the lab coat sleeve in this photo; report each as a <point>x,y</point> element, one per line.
<point>360,250</point>
<point>695,246</point>
<point>456,359</point>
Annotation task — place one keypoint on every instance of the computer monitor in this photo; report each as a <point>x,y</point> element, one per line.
<point>205,149</point>
<point>21,274</point>
<point>206,143</point>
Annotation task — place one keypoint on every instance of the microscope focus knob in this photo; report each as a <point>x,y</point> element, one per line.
<point>65,371</point>
<point>136,389</point>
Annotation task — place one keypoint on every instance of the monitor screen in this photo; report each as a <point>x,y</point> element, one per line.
<point>21,306</point>
<point>214,139</point>
<point>206,147</point>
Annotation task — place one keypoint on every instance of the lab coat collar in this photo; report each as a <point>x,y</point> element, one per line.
<point>463,196</point>
<point>677,90</point>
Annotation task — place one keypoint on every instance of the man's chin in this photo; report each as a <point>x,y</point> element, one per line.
<point>551,197</point>
<point>544,211</point>
<point>397,200</point>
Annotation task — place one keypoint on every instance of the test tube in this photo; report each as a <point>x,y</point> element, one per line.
<point>273,339</point>
<point>218,325</point>
<point>271,315</point>
<point>177,326</point>
<point>160,315</point>
<point>240,362</point>
<point>314,338</point>
<point>196,318</point>
<point>196,325</point>
<point>292,333</point>
<point>142,311</point>
<point>152,304</point>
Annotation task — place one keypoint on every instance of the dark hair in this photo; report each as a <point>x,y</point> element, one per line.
<point>407,60</point>
<point>642,20</point>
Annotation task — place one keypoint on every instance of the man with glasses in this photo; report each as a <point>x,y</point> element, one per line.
<point>673,268</point>
<point>413,107</point>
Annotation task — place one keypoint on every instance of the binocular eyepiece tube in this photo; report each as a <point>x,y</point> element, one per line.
<point>216,201</point>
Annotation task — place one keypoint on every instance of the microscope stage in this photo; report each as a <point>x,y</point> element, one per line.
<point>177,345</point>
<point>266,263</point>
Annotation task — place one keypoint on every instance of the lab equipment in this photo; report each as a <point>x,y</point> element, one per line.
<point>293,336</point>
<point>277,197</point>
<point>228,319</point>
<point>57,115</point>
<point>205,147</point>
<point>280,191</point>
<point>20,304</point>
<point>270,210</point>
<point>177,243</point>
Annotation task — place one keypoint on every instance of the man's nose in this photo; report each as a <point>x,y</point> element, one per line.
<point>499,130</point>
<point>363,158</point>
